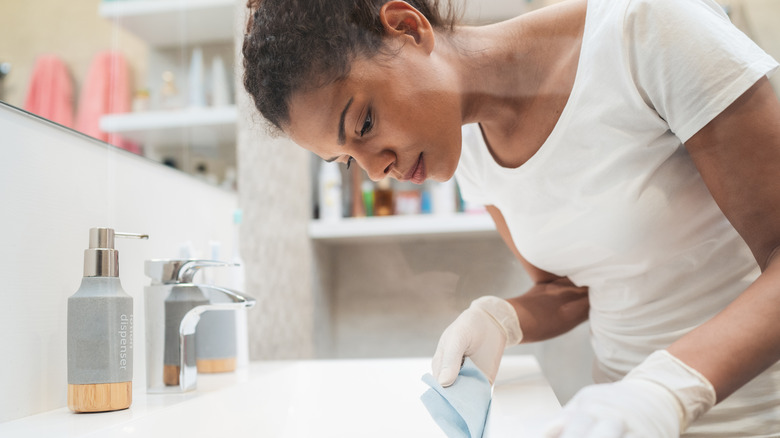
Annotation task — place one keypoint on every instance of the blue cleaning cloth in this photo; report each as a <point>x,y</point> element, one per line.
<point>462,408</point>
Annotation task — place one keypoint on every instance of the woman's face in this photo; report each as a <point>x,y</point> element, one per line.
<point>396,116</point>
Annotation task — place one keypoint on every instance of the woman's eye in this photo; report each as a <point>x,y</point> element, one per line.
<point>349,161</point>
<point>367,123</point>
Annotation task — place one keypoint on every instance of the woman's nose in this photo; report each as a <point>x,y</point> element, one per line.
<point>377,166</point>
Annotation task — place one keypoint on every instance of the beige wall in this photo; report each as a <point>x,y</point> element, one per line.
<point>71,29</point>
<point>760,20</point>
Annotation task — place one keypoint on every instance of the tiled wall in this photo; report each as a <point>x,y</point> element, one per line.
<point>395,299</point>
<point>274,193</point>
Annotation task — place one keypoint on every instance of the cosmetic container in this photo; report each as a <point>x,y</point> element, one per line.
<point>197,89</point>
<point>100,331</point>
<point>179,301</point>
<point>220,86</point>
<point>215,337</point>
<point>330,191</point>
<point>384,199</point>
<point>445,198</point>
<point>368,197</point>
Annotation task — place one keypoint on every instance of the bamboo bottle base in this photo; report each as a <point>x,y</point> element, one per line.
<point>216,365</point>
<point>171,375</point>
<point>100,397</point>
<point>171,372</point>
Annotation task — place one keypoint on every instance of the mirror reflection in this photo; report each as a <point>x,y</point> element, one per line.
<point>151,77</point>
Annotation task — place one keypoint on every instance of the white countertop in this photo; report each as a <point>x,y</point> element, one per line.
<point>316,398</point>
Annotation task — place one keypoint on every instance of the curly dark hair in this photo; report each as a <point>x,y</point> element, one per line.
<point>294,45</point>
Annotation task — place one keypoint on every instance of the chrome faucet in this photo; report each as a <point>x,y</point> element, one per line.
<point>174,305</point>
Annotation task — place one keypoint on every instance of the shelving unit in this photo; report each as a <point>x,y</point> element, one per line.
<point>395,228</point>
<point>191,137</point>
<point>198,126</point>
<point>165,23</point>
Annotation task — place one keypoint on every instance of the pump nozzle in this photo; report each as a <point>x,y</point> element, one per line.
<point>101,259</point>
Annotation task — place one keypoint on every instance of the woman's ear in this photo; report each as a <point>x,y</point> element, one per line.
<point>401,19</point>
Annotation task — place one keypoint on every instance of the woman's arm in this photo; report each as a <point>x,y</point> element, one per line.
<point>553,306</point>
<point>738,156</point>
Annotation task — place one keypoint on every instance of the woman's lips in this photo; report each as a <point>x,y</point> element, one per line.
<point>417,173</point>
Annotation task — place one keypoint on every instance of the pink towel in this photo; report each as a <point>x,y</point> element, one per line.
<point>106,90</point>
<point>50,93</point>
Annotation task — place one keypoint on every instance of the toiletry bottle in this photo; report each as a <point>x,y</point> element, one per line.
<point>100,331</point>
<point>330,191</point>
<point>169,98</point>
<point>215,338</point>
<point>384,202</point>
<point>181,300</point>
<point>368,196</point>
<point>220,85</point>
<point>356,193</point>
<point>444,197</point>
<point>197,88</point>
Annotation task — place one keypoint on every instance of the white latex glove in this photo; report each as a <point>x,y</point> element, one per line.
<point>481,332</point>
<point>660,398</point>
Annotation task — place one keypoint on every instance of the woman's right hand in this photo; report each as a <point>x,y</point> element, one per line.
<point>481,332</point>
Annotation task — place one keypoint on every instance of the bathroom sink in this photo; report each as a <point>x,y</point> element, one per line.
<point>301,399</point>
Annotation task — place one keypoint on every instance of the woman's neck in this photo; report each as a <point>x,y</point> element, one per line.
<point>509,67</point>
<point>516,76</point>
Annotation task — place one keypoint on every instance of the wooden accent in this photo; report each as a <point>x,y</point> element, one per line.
<point>171,375</point>
<point>217,365</point>
<point>100,397</point>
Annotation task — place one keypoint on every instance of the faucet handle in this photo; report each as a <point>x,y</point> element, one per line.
<point>172,271</point>
<point>191,267</point>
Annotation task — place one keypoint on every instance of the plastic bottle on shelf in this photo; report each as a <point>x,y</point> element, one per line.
<point>443,198</point>
<point>220,88</point>
<point>384,202</point>
<point>330,192</point>
<point>368,197</point>
<point>169,93</point>
<point>197,90</point>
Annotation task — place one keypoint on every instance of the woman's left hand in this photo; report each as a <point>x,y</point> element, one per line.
<point>658,399</point>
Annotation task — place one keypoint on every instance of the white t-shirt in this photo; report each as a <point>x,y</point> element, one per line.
<point>613,201</point>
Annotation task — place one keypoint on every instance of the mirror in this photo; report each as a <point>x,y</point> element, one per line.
<point>149,76</point>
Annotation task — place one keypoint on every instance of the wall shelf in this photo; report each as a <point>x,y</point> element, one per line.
<point>196,126</point>
<point>402,228</point>
<point>165,23</point>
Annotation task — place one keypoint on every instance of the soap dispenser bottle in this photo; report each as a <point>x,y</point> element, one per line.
<point>100,331</point>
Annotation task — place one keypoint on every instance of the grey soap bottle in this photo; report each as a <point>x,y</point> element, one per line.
<point>181,300</point>
<point>100,331</point>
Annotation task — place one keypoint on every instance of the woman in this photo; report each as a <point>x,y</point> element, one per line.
<point>627,151</point>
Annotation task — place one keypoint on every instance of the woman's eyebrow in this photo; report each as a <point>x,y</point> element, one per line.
<point>342,134</point>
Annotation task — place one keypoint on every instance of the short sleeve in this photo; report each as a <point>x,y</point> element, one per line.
<point>470,171</point>
<point>689,61</point>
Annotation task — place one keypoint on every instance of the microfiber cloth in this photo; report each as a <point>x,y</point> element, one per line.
<point>462,408</point>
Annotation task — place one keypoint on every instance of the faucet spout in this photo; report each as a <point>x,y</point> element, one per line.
<point>188,370</point>
<point>174,304</point>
